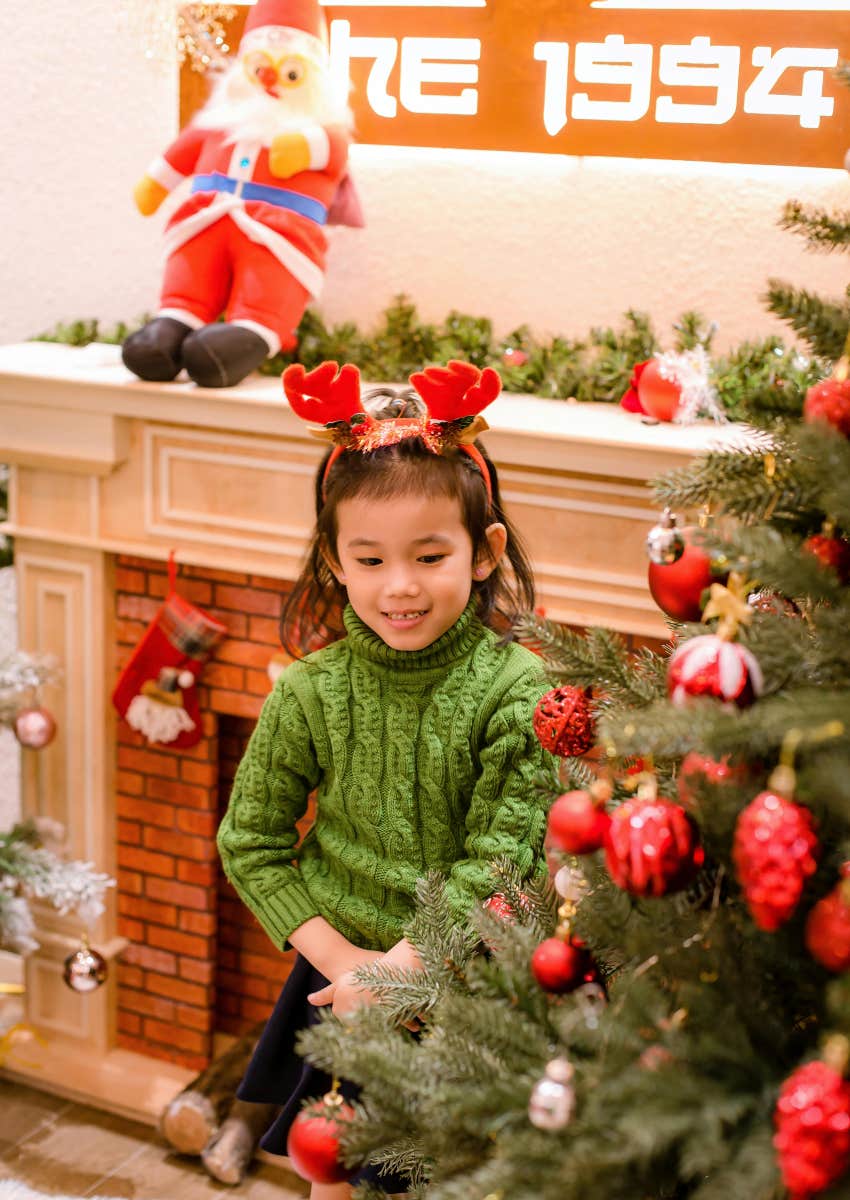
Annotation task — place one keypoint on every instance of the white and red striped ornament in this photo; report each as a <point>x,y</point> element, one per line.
<point>710,665</point>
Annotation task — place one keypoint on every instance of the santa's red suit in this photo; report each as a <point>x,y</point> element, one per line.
<point>245,242</point>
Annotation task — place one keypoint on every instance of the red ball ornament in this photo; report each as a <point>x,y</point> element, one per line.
<point>652,847</point>
<point>498,906</point>
<point>34,728</point>
<point>775,851</point>
<point>577,823</point>
<point>677,587</point>
<point>659,397</point>
<point>313,1142</point>
<point>812,1139</point>
<point>828,929</point>
<point>564,723</point>
<point>561,965</point>
<point>829,401</point>
<point>696,768</point>
<point>711,666</point>
<point>832,552</point>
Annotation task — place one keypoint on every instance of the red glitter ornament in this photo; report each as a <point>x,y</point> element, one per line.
<point>677,587</point>
<point>711,666</point>
<point>696,768</point>
<point>562,964</point>
<point>775,851</point>
<point>831,551</point>
<point>829,401</point>
<point>652,847</point>
<point>313,1142</point>
<point>659,397</point>
<point>564,723</point>
<point>828,929</point>
<point>812,1139</point>
<point>577,823</point>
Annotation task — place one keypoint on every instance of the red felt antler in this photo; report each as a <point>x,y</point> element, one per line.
<point>323,396</point>
<point>458,390</point>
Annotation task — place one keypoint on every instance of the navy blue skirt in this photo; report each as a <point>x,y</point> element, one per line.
<point>277,1075</point>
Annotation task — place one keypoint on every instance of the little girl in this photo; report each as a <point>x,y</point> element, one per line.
<point>414,729</point>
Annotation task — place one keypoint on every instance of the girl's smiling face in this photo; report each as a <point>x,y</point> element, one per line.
<point>407,564</point>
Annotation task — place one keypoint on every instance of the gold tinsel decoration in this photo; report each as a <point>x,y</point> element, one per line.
<point>201,35</point>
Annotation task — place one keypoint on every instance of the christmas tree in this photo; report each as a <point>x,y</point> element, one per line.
<point>672,1020</point>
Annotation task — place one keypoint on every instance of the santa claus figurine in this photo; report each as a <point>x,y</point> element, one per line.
<point>265,158</point>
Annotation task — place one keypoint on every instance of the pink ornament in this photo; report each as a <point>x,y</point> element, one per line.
<point>710,666</point>
<point>34,728</point>
<point>514,358</point>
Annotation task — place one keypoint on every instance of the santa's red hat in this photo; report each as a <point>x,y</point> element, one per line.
<point>297,26</point>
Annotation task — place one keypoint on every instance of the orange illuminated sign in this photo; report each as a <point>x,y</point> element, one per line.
<point>613,77</point>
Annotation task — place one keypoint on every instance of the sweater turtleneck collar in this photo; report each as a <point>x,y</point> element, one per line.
<point>455,643</point>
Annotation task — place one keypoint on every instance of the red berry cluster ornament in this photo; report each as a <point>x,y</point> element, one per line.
<point>313,1142</point>
<point>830,551</point>
<point>829,401</point>
<point>578,821</point>
<point>775,851</point>
<point>564,722</point>
<point>828,928</point>
<point>652,846</point>
<point>812,1121</point>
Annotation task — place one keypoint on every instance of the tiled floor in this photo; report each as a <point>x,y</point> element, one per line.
<point>63,1148</point>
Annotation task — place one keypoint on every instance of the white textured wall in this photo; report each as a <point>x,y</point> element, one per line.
<point>557,243</point>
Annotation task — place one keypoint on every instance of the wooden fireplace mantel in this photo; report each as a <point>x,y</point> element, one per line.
<point>104,464</point>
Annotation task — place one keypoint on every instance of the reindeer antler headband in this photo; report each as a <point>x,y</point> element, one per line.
<point>454,397</point>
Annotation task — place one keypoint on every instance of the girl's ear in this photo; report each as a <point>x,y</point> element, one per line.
<point>497,541</point>
<point>333,565</point>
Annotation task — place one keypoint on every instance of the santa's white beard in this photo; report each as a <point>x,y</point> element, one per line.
<point>248,114</point>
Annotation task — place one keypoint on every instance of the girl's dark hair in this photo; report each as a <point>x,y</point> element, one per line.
<point>312,612</point>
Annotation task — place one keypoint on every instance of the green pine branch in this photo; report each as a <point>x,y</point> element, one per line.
<point>822,324</point>
<point>822,230</point>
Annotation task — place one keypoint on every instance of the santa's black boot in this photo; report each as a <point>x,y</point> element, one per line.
<point>154,351</point>
<point>222,355</point>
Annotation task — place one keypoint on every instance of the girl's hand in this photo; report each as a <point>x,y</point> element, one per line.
<point>344,995</point>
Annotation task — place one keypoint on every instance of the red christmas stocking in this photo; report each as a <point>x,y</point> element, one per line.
<point>157,693</point>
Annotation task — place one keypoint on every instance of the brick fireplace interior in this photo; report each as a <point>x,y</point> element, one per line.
<point>197,963</point>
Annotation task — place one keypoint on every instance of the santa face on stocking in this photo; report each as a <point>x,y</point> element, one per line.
<point>264,160</point>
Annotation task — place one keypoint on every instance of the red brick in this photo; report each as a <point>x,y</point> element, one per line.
<point>178,989</point>
<point>227,1002</point>
<point>148,762</point>
<point>131,977</point>
<point>175,791</point>
<point>235,623</point>
<point>137,608</point>
<point>219,576</point>
<point>127,736</point>
<point>194,590</point>
<point>203,924</point>
<point>145,564</point>
<point>227,958</point>
<point>129,580</point>
<point>150,959</point>
<point>243,654</point>
<point>180,844</point>
<point>129,633</point>
<point>145,861</point>
<point>247,985</point>
<point>148,1004</point>
<point>196,1018</point>
<point>255,1010</point>
<point>132,882</point>
<point>253,964</point>
<point>175,1035</point>
<point>209,724</point>
<point>204,824</point>
<point>269,584</point>
<point>264,630</point>
<point>205,875</point>
<point>243,600</point>
<point>181,894</point>
<point>148,910</point>
<point>235,703</point>
<point>131,784</point>
<point>129,1022</point>
<point>138,809</point>
<point>197,971</point>
<point>257,683</point>
<point>180,943</point>
<point>204,773</point>
<point>134,930</point>
<point>224,675</point>
<point>129,832</point>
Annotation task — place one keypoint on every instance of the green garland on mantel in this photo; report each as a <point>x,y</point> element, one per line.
<point>597,367</point>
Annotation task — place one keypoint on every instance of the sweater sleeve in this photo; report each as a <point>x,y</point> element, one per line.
<point>507,815</point>
<point>257,839</point>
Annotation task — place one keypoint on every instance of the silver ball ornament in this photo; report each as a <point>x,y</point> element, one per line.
<point>84,970</point>
<point>664,543</point>
<point>553,1099</point>
<point>34,728</point>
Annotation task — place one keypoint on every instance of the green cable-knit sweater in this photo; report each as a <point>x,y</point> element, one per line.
<point>422,758</point>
